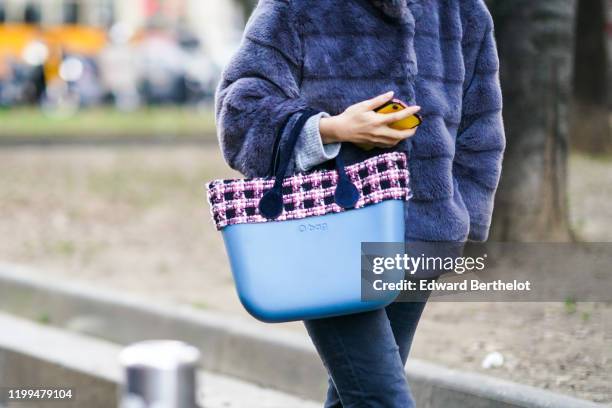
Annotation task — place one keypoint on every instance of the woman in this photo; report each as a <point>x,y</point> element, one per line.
<point>336,56</point>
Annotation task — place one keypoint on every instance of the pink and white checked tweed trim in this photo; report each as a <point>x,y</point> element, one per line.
<point>379,178</point>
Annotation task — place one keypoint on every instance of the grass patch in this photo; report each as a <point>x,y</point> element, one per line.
<point>158,122</point>
<point>200,305</point>
<point>64,247</point>
<point>43,318</point>
<point>570,306</point>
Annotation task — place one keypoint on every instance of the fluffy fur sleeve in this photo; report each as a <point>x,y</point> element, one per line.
<point>259,88</point>
<point>480,140</point>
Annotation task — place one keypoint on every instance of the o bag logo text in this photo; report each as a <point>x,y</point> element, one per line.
<point>313,227</point>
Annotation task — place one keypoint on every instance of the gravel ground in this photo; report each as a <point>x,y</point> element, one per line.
<point>135,219</point>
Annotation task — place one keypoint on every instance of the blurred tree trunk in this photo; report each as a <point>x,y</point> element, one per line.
<point>608,12</point>
<point>535,40</point>
<point>590,119</point>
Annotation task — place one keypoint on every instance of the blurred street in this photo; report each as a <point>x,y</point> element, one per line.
<point>68,55</point>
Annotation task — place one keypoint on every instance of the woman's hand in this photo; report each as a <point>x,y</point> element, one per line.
<point>360,124</point>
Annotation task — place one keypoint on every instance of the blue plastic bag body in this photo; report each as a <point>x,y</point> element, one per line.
<point>310,268</point>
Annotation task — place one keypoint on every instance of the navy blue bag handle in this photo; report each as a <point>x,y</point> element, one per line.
<point>271,203</point>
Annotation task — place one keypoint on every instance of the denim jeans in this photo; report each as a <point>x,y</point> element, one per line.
<point>365,355</point>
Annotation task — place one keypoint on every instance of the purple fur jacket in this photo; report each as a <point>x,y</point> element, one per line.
<point>327,55</point>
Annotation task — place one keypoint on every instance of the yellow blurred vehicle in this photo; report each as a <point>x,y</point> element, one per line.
<point>22,54</point>
<point>14,37</point>
<point>77,39</point>
<point>26,48</point>
<point>84,41</point>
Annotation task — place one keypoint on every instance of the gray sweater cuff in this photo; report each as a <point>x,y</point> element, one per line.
<point>310,150</point>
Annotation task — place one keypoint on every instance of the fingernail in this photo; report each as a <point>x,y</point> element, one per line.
<point>389,93</point>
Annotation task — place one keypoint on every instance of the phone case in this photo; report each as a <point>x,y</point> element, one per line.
<point>395,106</point>
<point>392,106</point>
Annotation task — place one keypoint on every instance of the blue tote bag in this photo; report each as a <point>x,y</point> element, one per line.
<point>294,243</point>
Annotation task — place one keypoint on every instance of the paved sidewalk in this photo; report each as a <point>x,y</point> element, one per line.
<point>225,392</point>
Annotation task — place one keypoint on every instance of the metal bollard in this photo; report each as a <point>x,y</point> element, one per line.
<point>159,374</point>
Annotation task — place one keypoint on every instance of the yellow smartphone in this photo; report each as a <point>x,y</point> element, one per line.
<point>395,105</point>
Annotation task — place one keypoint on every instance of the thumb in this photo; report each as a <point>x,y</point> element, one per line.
<point>371,104</point>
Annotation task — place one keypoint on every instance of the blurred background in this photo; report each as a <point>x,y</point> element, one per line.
<point>107,138</point>
<point>62,60</point>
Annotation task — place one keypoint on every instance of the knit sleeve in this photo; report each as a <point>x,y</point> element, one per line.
<point>480,140</point>
<point>310,150</point>
<point>259,88</point>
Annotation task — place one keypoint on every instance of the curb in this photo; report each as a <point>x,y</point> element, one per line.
<point>91,369</point>
<point>235,347</point>
<point>244,349</point>
<point>63,363</point>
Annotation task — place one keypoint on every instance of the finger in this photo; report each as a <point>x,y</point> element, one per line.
<point>386,142</point>
<point>403,114</point>
<point>386,131</point>
<point>379,141</point>
<point>371,104</point>
<point>383,143</point>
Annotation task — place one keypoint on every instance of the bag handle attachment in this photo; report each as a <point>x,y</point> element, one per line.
<point>346,194</point>
<point>271,203</point>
